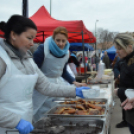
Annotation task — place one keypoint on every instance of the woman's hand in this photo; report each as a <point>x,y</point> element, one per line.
<point>77,84</point>
<point>79,91</point>
<point>24,127</point>
<point>124,103</point>
<point>128,104</point>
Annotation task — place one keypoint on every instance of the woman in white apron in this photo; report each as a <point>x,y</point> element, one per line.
<point>16,88</point>
<point>19,75</point>
<point>52,57</point>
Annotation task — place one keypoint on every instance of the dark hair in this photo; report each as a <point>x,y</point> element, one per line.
<point>18,24</point>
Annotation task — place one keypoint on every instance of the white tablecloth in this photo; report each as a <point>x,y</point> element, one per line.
<point>107,92</point>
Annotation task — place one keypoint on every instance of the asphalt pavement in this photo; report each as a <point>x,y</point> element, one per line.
<point>116,118</point>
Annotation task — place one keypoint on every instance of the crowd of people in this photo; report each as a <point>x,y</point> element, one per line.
<point>29,83</point>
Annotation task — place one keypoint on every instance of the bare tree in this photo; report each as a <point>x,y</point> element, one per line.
<point>105,38</point>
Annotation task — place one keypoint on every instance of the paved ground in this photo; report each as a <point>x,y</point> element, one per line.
<point>116,118</point>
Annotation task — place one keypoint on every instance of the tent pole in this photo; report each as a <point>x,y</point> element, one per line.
<point>50,7</point>
<point>87,55</point>
<point>95,56</point>
<point>43,36</point>
<point>25,8</point>
<point>83,55</point>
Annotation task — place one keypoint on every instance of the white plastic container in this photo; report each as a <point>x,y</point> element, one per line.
<point>100,71</point>
<point>97,90</point>
<point>129,93</point>
<point>91,93</point>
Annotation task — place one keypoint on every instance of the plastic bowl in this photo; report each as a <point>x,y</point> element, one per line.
<point>91,93</point>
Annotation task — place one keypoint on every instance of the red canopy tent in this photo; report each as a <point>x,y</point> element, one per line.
<point>46,24</point>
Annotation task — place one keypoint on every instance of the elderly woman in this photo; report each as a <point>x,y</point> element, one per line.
<point>52,58</point>
<point>124,48</point>
<point>19,75</point>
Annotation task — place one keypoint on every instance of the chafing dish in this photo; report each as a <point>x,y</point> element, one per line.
<point>51,113</point>
<point>88,126</point>
<point>62,100</point>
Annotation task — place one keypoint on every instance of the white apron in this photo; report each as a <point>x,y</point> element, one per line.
<point>73,68</point>
<point>52,68</point>
<point>16,90</point>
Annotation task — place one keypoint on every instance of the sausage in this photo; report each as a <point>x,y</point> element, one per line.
<point>80,107</point>
<point>81,112</point>
<point>94,111</point>
<point>94,106</point>
<point>70,111</point>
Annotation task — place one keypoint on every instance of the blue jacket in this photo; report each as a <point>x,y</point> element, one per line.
<point>115,69</point>
<point>39,56</point>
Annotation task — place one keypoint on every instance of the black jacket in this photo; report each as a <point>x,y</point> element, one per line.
<point>126,68</point>
<point>106,60</point>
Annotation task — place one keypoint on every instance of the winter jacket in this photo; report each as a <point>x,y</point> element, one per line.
<point>126,68</point>
<point>39,57</point>
<point>106,60</point>
<point>9,119</point>
<point>115,69</point>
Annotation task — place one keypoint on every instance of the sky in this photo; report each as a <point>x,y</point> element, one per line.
<point>112,15</point>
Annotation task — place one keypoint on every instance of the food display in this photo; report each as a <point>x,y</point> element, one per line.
<point>91,78</point>
<point>82,101</point>
<point>80,115</point>
<point>80,110</point>
<point>108,72</point>
<point>105,78</point>
<point>81,107</point>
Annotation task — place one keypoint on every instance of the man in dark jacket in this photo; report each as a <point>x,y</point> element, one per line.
<point>106,60</point>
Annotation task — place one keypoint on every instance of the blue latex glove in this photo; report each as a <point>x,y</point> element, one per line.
<point>24,127</point>
<point>79,91</point>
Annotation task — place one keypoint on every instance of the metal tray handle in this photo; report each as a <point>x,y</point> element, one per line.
<point>34,131</point>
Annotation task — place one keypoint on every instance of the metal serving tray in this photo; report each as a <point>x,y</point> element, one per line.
<point>88,126</point>
<point>50,113</point>
<point>61,100</point>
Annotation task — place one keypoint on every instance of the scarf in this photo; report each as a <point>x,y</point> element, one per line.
<point>56,50</point>
<point>17,52</point>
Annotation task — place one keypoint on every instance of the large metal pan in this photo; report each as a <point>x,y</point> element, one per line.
<point>51,112</point>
